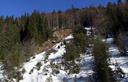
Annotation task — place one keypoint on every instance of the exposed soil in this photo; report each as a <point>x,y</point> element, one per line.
<point>58,36</point>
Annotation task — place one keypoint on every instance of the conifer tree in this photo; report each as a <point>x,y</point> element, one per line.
<point>103,71</point>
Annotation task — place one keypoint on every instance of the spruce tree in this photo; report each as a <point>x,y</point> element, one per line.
<point>102,69</point>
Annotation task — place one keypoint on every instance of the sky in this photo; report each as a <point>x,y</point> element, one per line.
<point>19,7</point>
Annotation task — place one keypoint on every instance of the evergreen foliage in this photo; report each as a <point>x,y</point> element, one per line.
<point>20,37</point>
<point>100,56</point>
<point>72,52</point>
<point>80,38</point>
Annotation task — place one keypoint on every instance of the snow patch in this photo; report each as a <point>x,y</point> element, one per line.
<point>69,37</point>
<point>58,54</point>
<point>1,72</point>
<point>108,40</point>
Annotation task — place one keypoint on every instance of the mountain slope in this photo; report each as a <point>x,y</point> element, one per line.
<point>48,66</point>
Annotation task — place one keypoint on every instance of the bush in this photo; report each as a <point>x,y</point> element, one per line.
<point>18,76</point>
<point>74,69</point>
<point>80,38</point>
<point>23,70</point>
<point>72,52</point>
<point>38,65</point>
<point>55,71</point>
<point>49,79</point>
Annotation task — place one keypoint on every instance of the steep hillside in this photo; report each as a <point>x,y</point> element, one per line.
<point>50,67</point>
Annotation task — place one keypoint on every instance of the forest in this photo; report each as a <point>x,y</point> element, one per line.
<point>21,37</point>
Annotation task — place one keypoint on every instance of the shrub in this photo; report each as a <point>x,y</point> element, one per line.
<point>38,65</point>
<point>49,79</point>
<point>75,69</point>
<point>80,38</point>
<point>72,52</point>
<point>23,70</point>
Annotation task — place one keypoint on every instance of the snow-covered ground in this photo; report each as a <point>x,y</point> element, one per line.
<point>1,72</point>
<point>48,67</point>
<point>69,37</point>
<point>108,40</point>
<point>117,62</point>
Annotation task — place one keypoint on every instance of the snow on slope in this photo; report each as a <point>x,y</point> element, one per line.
<point>1,72</point>
<point>69,37</point>
<point>51,69</point>
<point>60,52</point>
<point>117,62</point>
<point>28,66</point>
<point>45,70</point>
